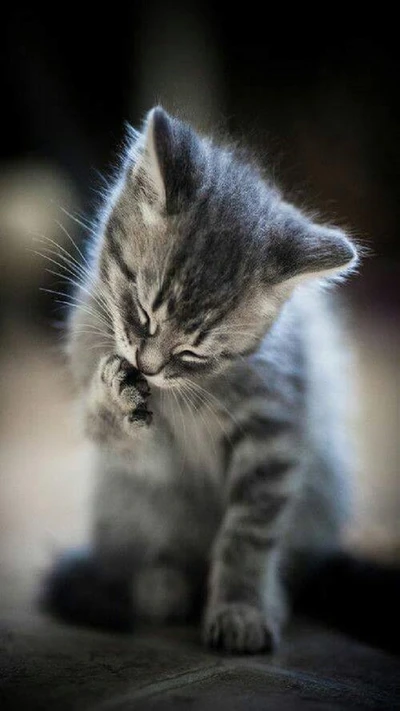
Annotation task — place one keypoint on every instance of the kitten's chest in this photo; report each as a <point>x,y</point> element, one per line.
<point>197,436</point>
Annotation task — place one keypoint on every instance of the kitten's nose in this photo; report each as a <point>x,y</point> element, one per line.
<point>148,360</point>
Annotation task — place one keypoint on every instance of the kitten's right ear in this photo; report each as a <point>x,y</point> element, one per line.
<point>167,161</point>
<point>146,173</point>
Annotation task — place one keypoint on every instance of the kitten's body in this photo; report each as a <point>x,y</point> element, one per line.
<point>238,482</point>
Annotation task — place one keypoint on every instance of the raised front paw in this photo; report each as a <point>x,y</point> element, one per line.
<point>237,628</point>
<point>128,388</point>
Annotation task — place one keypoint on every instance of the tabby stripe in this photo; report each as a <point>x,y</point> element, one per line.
<point>193,326</point>
<point>256,429</point>
<point>130,317</point>
<point>232,355</point>
<point>143,188</point>
<point>199,339</point>
<point>235,543</point>
<point>253,487</point>
<point>159,299</point>
<point>259,426</point>
<point>116,254</point>
<point>245,522</point>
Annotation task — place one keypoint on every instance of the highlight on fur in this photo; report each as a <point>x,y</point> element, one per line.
<point>212,380</point>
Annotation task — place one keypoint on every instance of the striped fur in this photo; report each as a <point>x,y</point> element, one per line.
<point>231,470</point>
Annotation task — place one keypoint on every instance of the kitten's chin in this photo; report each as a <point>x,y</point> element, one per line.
<point>158,381</point>
<point>161,383</point>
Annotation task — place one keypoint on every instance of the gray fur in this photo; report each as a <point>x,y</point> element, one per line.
<point>237,475</point>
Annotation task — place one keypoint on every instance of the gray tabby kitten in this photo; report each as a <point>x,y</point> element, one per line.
<point>210,382</point>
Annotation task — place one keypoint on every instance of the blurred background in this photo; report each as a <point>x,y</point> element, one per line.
<point>316,98</point>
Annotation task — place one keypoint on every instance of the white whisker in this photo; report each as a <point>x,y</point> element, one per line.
<point>79,221</point>
<point>72,280</point>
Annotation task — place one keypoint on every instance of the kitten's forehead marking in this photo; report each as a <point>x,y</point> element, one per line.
<point>160,313</point>
<point>150,216</point>
<point>199,338</point>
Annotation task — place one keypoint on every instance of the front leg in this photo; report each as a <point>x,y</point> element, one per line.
<point>246,604</point>
<point>93,586</point>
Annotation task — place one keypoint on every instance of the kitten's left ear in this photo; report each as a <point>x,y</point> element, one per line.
<point>304,249</point>
<point>166,160</point>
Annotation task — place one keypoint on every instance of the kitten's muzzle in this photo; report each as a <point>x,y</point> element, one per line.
<point>146,367</point>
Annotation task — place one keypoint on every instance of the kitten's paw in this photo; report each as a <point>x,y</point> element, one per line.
<point>238,628</point>
<point>128,387</point>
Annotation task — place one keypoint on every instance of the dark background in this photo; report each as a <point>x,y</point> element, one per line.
<point>316,96</point>
<point>321,100</point>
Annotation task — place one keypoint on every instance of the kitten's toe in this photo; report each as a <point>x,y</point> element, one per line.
<point>140,417</point>
<point>112,369</point>
<point>129,389</point>
<point>237,628</point>
<point>133,392</point>
<point>131,378</point>
<point>120,375</point>
<point>76,592</point>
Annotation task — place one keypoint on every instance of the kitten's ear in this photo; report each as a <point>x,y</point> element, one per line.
<point>146,171</point>
<point>305,249</point>
<point>168,157</point>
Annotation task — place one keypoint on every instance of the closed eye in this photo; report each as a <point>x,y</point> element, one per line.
<point>191,357</point>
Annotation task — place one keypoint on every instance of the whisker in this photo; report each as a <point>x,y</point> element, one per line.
<point>203,419</point>
<point>94,327</point>
<point>78,221</point>
<point>185,437</point>
<point>60,251</point>
<point>74,244</point>
<point>217,401</point>
<point>75,269</point>
<point>103,346</point>
<point>64,276</point>
<point>75,272</point>
<point>92,332</point>
<point>192,410</point>
<point>73,302</point>
<point>183,451</point>
<point>205,403</point>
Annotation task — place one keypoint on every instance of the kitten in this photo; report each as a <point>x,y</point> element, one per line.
<point>210,381</point>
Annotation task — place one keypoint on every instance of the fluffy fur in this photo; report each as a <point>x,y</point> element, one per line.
<point>211,382</point>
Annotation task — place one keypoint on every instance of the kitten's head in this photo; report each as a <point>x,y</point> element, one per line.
<point>199,253</point>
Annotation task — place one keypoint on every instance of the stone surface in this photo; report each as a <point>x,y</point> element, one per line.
<point>45,665</point>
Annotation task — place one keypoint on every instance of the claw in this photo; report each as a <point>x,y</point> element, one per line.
<point>143,387</point>
<point>141,415</point>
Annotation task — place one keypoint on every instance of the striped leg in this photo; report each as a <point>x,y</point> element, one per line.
<point>246,604</point>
